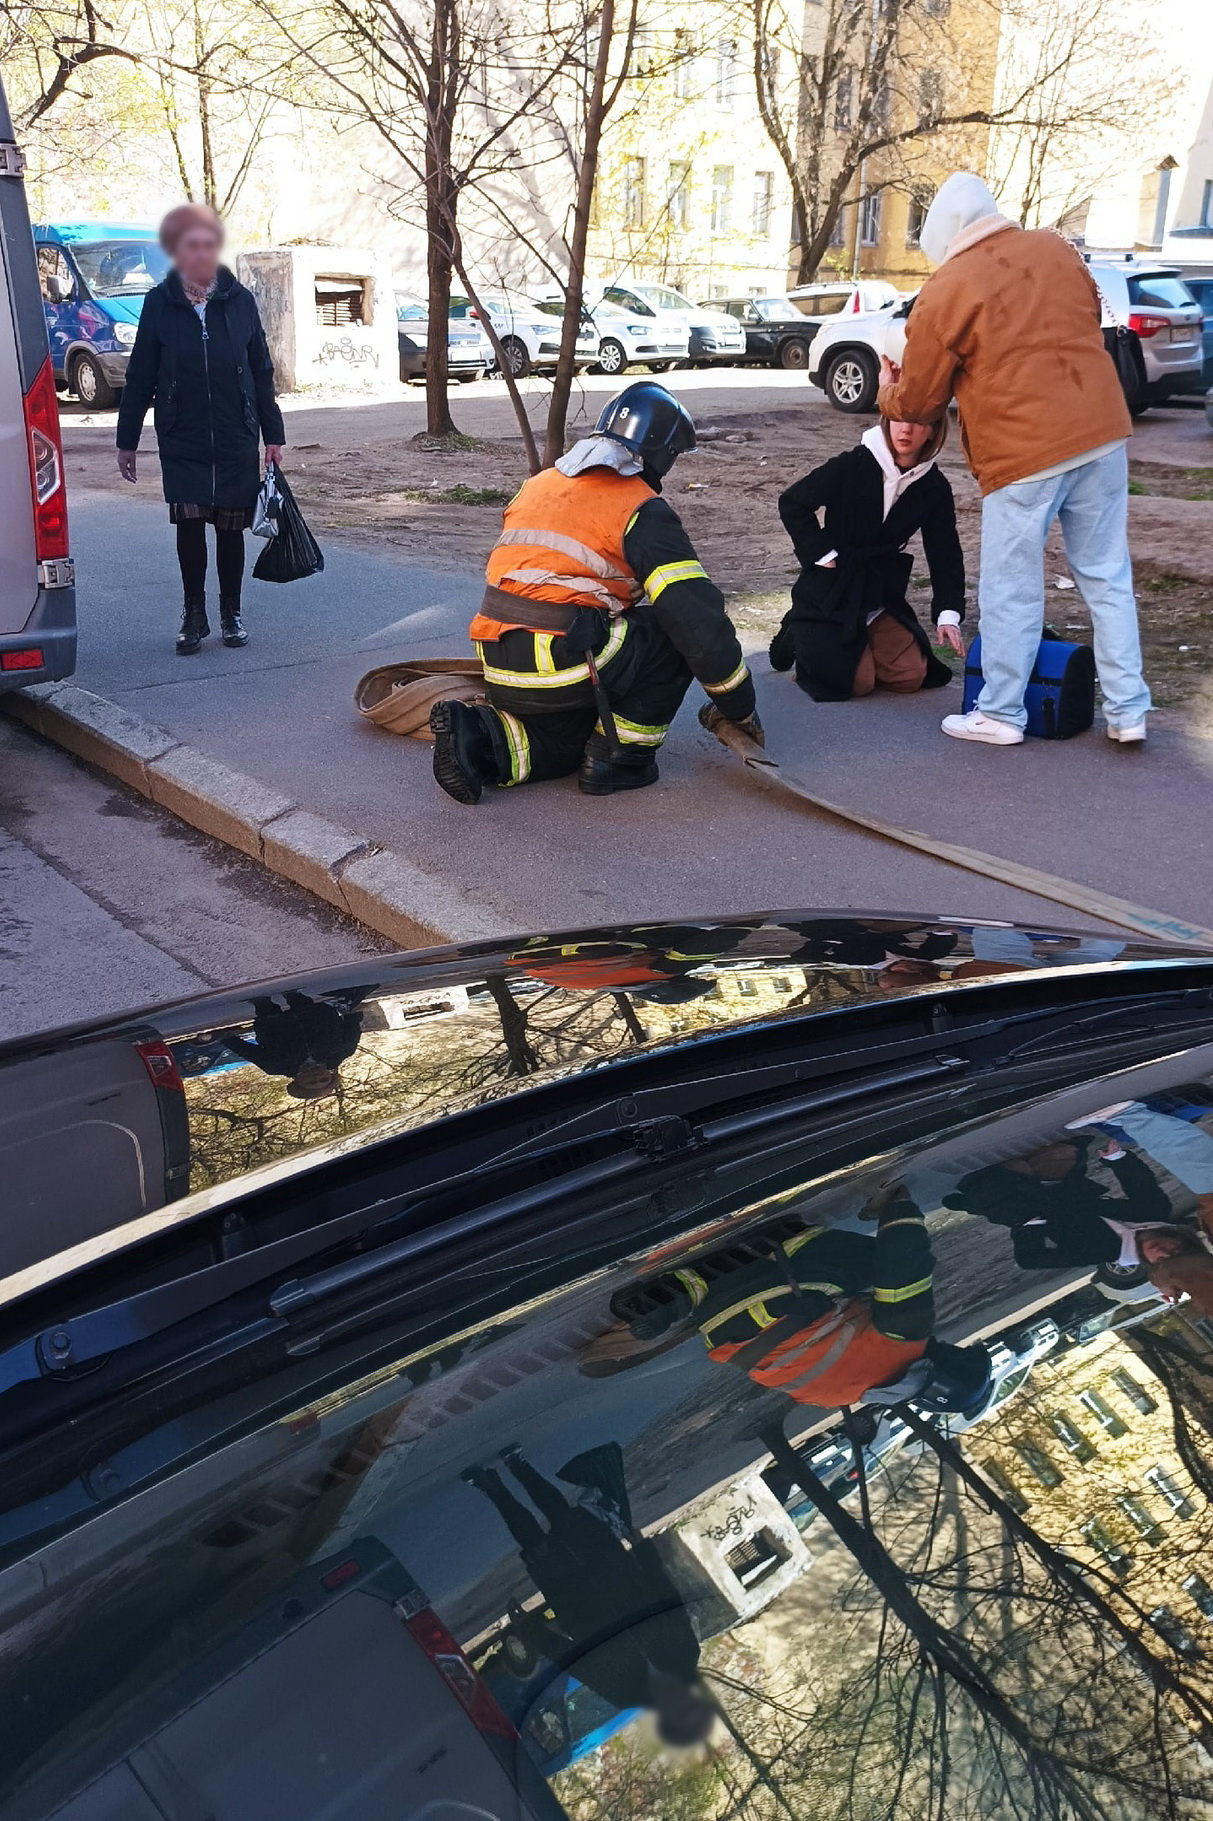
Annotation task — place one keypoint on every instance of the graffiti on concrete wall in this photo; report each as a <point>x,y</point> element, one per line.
<point>355,354</point>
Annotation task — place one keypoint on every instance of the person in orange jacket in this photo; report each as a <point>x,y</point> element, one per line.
<point>597,616</point>
<point>828,1316</point>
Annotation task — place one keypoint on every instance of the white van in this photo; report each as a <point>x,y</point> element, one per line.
<point>37,593</point>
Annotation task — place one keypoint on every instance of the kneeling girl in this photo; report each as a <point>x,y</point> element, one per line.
<point>850,626</point>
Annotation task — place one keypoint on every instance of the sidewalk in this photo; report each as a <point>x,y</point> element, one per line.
<point>703,841</point>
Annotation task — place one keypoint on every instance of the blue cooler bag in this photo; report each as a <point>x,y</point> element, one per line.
<point>1060,697</point>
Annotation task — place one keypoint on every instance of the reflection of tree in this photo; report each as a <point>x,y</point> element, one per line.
<point>241,1119</point>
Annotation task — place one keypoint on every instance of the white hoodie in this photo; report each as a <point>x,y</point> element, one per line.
<point>896,480</point>
<point>959,205</point>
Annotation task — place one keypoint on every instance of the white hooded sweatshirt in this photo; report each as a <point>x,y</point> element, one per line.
<point>962,212</point>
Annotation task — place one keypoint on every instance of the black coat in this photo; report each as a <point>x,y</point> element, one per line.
<point>1066,1217</point>
<point>213,394</point>
<point>830,607</point>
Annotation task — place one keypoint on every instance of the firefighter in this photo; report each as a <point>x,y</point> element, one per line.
<point>828,1316</point>
<point>596,617</point>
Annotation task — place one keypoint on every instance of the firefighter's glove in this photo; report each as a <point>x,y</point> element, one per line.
<point>712,718</point>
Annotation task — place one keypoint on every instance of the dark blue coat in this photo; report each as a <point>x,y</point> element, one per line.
<point>213,394</point>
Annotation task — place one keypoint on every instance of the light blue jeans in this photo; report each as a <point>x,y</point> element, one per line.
<point>1091,502</point>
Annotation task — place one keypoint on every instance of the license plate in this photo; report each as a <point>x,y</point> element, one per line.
<point>1188,332</point>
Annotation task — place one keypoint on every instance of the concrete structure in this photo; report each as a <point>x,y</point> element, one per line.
<point>329,315</point>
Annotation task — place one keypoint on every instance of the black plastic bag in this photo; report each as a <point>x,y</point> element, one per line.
<point>293,553</point>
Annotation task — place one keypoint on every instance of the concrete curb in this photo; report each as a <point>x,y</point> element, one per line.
<point>381,889</point>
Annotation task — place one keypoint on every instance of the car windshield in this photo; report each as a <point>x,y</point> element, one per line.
<point>411,309</point>
<point>1161,291</point>
<point>119,268</point>
<point>775,309</point>
<point>556,1526</point>
<point>664,298</point>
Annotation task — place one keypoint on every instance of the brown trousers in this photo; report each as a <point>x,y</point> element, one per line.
<point>893,659</point>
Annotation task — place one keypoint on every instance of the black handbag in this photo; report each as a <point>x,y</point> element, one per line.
<point>292,553</point>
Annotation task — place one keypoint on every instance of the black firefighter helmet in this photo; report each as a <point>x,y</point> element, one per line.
<point>651,422</point>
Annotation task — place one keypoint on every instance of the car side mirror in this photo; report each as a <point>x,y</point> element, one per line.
<point>58,289</point>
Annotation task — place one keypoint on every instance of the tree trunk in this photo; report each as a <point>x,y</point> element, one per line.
<point>587,176</point>
<point>440,222</point>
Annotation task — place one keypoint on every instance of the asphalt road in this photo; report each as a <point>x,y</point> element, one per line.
<point>704,839</point>
<point>108,903</point>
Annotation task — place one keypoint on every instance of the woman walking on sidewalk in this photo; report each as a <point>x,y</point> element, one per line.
<point>200,357</point>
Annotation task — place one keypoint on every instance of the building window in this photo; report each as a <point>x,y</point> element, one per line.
<point>678,195</point>
<point>1138,1515</point>
<point>1169,1489</point>
<point>838,232</point>
<point>936,9</point>
<point>1172,1629</point>
<point>684,64</point>
<point>764,199</point>
<point>869,218</point>
<point>921,198</point>
<point>779,982</point>
<point>1004,1484</point>
<point>1103,1413</point>
<point>747,989</point>
<point>1072,1440</point>
<point>642,51</point>
<point>1038,1464</point>
<point>882,103</point>
<point>1137,1394</point>
<point>844,100</point>
<point>722,198</point>
<point>726,72</point>
<point>770,67</point>
<point>1206,203</point>
<point>633,192</point>
<point>930,97</point>
<point>341,302</point>
<point>1096,1533</point>
<point>1198,1590</point>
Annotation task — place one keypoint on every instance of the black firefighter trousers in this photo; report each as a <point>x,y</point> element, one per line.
<point>544,704</point>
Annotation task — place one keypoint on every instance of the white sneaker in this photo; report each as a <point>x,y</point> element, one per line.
<point>977,726</point>
<point>1129,736</point>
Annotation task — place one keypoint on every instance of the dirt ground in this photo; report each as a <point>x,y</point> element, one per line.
<point>359,479</point>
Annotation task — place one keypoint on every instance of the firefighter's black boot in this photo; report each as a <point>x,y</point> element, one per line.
<point>781,652</point>
<point>194,626</point>
<point>466,754</point>
<point>601,775</point>
<point>230,623</point>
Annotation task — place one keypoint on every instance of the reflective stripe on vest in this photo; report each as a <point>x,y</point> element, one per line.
<point>562,540</point>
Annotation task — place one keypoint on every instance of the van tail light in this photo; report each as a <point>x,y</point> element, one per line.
<point>46,465</point>
<point>855,304</point>
<point>162,1070</point>
<point>473,1694</point>
<point>1146,326</point>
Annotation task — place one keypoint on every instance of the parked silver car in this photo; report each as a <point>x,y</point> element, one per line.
<point>1163,324</point>
<point>37,596</point>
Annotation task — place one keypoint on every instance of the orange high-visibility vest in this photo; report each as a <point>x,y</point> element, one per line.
<point>833,1361</point>
<point>562,540</point>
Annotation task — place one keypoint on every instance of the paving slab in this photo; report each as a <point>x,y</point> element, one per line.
<point>702,841</point>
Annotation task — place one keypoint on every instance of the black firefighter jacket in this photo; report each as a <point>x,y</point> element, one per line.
<point>830,607</point>
<point>213,395</point>
<point>691,613</point>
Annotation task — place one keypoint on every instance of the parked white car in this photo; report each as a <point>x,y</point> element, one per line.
<point>529,331</point>
<point>627,339</point>
<point>712,335</point>
<point>844,359</point>
<point>844,297</point>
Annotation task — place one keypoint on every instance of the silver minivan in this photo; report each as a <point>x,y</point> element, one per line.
<point>1163,324</point>
<point>37,592</point>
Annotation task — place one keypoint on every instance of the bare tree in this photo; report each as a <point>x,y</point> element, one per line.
<point>45,43</point>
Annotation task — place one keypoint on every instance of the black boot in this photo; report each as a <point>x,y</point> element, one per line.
<point>602,776</point>
<point>230,623</point>
<point>781,652</point>
<point>465,751</point>
<point>194,626</point>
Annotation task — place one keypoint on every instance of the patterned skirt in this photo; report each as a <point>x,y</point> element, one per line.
<point>223,518</point>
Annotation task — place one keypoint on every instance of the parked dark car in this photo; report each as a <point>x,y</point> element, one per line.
<point>1202,290</point>
<point>299,1471</point>
<point>776,332</point>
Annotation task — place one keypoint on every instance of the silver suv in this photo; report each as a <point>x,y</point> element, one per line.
<point>37,596</point>
<point>1162,327</point>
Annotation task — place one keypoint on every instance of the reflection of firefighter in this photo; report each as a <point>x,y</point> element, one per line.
<point>303,1038</point>
<point>596,617</point>
<point>827,1316</point>
<point>653,964</point>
